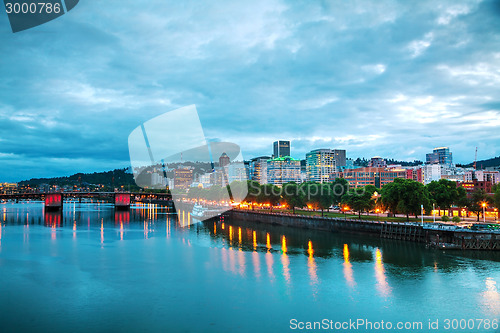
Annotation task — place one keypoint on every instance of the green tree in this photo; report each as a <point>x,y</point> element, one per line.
<point>194,193</point>
<point>270,194</point>
<point>360,199</point>
<point>254,191</point>
<point>325,197</point>
<point>476,200</point>
<point>496,197</point>
<point>317,195</point>
<point>461,200</point>
<point>216,193</point>
<point>405,196</point>
<point>292,196</point>
<point>445,193</point>
<point>238,190</point>
<point>390,196</point>
<point>340,187</point>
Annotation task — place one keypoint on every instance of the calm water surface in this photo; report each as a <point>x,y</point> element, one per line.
<point>94,269</point>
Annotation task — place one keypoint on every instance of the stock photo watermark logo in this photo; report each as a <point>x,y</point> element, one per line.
<point>171,152</point>
<point>26,14</point>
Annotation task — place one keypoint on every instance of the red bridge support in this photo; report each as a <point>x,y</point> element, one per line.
<point>53,201</point>
<point>122,200</point>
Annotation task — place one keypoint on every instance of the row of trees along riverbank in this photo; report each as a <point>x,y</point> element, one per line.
<point>403,196</point>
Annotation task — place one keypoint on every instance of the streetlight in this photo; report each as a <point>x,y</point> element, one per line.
<point>345,209</point>
<point>422,212</point>
<point>484,209</point>
<point>433,213</point>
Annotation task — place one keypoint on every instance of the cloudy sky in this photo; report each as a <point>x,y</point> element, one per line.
<point>388,78</point>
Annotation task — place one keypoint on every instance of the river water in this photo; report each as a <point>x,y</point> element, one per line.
<point>148,270</point>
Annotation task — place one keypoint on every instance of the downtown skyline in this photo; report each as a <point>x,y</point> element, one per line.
<point>391,79</point>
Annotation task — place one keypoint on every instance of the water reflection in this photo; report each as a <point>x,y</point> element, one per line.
<point>269,264</point>
<point>53,219</point>
<point>311,264</point>
<point>348,272</point>
<point>270,254</point>
<point>232,261</point>
<point>285,261</point>
<point>382,284</point>
<point>241,262</point>
<point>491,297</point>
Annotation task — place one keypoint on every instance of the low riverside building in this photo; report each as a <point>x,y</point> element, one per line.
<point>483,175</point>
<point>377,162</point>
<point>282,170</point>
<point>377,177</point>
<point>416,174</point>
<point>474,185</point>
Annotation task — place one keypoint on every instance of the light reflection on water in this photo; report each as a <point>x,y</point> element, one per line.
<point>491,296</point>
<point>382,284</point>
<point>348,273</point>
<point>274,269</point>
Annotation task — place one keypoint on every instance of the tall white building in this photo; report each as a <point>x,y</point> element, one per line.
<point>440,155</point>
<point>236,172</point>
<point>258,169</point>
<point>431,172</point>
<point>320,164</point>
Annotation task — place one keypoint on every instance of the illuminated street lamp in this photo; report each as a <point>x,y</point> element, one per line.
<point>484,209</point>
<point>345,209</point>
<point>434,213</point>
<point>422,214</point>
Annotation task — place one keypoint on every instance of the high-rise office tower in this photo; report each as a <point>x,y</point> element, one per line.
<point>282,170</point>
<point>281,149</point>
<point>320,163</point>
<point>440,155</point>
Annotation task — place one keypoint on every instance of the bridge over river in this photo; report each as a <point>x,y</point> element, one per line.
<point>120,199</point>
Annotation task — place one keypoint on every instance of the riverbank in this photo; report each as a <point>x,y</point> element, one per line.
<point>452,237</point>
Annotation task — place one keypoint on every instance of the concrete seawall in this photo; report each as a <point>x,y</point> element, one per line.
<point>442,237</point>
<point>307,222</point>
